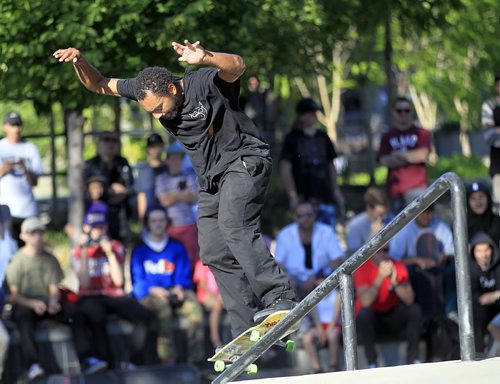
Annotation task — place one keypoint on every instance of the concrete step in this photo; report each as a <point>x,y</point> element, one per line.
<point>450,372</point>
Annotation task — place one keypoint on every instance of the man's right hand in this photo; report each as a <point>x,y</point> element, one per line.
<point>67,54</point>
<point>6,168</point>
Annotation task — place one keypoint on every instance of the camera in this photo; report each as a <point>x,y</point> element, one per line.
<point>182,185</point>
<point>174,300</point>
<point>91,242</point>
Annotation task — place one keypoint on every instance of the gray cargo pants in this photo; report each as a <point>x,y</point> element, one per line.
<point>231,243</point>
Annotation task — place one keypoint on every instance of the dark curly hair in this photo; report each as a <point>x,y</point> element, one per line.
<point>154,80</point>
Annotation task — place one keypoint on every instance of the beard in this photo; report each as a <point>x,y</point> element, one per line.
<point>172,114</point>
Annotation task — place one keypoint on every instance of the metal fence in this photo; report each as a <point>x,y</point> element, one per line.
<point>343,276</point>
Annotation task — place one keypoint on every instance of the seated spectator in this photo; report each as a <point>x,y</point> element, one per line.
<point>33,278</point>
<point>494,329</point>
<point>161,279</point>
<point>425,245</point>
<point>208,295</point>
<point>178,192</point>
<point>7,248</point>
<point>147,172</point>
<point>385,300</point>
<point>485,285</point>
<point>365,225</point>
<point>118,182</point>
<point>326,331</point>
<point>480,216</point>
<point>98,263</point>
<point>308,250</point>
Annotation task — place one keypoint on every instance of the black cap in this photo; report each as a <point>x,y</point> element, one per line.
<point>307,105</point>
<point>13,118</point>
<point>477,186</point>
<point>155,139</point>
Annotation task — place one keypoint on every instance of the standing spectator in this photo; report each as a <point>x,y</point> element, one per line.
<point>425,245</point>
<point>20,167</point>
<point>161,279</point>
<point>404,150</point>
<point>33,277</point>
<point>177,191</point>
<point>306,164</point>
<point>365,225</point>
<point>490,120</point>
<point>485,285</point>
<point>480,216</point>
<point>207,293</point>
<point>147,173</point>
<point>385,300</point>
<point>7,247</point>
<point>117,174</point>
<point>98,263</point>
<point>308,251</point>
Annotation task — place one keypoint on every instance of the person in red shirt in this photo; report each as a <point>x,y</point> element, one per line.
<point>384,302</point>
<point>98,262</point>
<point>404,151</point>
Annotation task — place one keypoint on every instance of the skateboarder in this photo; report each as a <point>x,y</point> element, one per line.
<point>232,162</point>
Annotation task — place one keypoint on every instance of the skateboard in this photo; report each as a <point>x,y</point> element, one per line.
<point>226,355</point>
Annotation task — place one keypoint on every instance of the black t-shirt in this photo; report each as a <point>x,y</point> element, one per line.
<point>310,157</point>
<point>210,125</point>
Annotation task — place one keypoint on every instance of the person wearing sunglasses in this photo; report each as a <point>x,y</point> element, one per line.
<point>404,150</point>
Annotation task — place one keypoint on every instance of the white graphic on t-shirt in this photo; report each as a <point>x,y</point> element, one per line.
<point>403,142</point>
<point>200,112</point>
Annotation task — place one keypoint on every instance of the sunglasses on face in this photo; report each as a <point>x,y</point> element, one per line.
<point>302,215</point>
<point>403,110</point>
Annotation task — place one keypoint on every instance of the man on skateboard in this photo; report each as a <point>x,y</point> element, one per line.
<point>232,162</point>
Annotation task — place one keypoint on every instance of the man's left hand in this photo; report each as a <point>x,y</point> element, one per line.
<point>190,53</point>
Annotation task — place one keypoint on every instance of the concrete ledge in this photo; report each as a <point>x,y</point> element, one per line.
<point>452,372</point>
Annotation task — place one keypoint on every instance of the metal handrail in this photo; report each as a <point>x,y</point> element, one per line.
<point>343,276</point>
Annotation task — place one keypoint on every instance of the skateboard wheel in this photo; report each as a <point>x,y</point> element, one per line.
<point>255,336</point>
<point>290,346</point>
<point>252,369</point>
<point>219,366</point>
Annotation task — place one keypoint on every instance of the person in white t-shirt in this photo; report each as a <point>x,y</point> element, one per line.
<point>20,167</point>
<point>308,251</point>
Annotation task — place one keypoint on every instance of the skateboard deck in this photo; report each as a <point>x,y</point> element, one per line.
<point>233,350</point>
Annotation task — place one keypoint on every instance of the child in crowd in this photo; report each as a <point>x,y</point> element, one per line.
<point>326,330</point>
<point>208,295</point>
<point>98,262</point>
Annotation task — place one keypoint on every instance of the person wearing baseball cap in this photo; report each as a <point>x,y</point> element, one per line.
<point>306,164</point>
<point>99,264</point>
<point>147,172</point>
<point>20,167</point>
<point>34,277</point>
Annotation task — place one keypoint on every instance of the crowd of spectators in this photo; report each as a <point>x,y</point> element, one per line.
<point>400,292</point>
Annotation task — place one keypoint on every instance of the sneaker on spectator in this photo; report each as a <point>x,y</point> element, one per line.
<point>35,372</point>
<point>94,365</point>
<point>453,316</point>
<point>372,365</point>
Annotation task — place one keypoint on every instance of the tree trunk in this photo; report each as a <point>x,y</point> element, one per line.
<point>73,120</point>
<point>54,203</point>
<point>389,72</point>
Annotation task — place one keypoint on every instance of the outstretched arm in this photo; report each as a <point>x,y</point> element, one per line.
<point>89,76</point>
<point>230,66</point>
